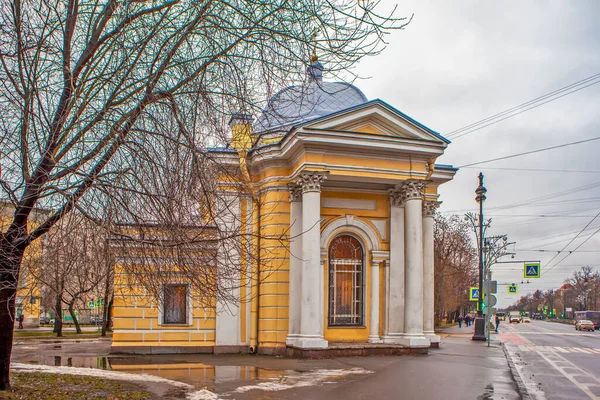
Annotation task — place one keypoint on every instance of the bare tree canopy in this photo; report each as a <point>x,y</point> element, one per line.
<point>455,263</point>
<point>85,83</point>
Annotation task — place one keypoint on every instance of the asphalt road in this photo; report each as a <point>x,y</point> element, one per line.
<point>554,360</point>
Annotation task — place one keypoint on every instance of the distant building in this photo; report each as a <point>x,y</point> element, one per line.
<point>27,301</point>
<point>353,183</point>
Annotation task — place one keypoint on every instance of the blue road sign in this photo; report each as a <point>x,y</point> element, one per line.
<point>531,270</point>
<point>473,293</point>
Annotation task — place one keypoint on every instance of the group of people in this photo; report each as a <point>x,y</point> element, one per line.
<point>468,320</point>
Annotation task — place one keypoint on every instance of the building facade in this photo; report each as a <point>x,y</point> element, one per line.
<point>352,186</point>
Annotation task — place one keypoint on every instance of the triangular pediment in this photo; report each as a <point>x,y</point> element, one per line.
<point>378,118</point>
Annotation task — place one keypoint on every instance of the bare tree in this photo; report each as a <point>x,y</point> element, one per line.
<point>455,263</point>
<point>584,282</point>
<point>74,262</point>
<point>81,80</point>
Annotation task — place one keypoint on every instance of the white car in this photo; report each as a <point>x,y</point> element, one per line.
<point>525,319</point>
<point>514,318</point>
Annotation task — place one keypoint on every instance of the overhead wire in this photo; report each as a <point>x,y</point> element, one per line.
<point>538,170</point>
<point>531,152</point>
<point>523,107</point>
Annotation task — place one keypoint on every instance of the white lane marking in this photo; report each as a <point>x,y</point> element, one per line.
<point>554,358</point>
<point>524,348</point>
<point>585,387</point>
<point>582,350</point>
<point>561,349</point>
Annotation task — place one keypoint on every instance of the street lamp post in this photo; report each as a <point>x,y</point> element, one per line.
<point>480,320</point>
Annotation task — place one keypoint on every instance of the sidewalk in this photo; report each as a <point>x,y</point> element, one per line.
<point>460,369</point>
<point>66,328</point>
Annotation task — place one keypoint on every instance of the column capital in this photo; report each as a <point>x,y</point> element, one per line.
<point>429,208</point>
<point>295,191</point>
<point>412,189</point>
<point>311,182</point>
<point>397,197</point>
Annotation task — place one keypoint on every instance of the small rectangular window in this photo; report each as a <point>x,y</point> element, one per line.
<point>175,304</point>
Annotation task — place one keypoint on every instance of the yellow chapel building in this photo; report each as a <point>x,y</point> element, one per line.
<point>353,184</point>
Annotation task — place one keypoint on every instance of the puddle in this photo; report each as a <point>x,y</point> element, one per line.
<point>215,378</point>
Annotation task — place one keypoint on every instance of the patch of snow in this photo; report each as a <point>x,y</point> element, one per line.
<point>97,373</point>
<point>202,395</point>
<point>304,379</point>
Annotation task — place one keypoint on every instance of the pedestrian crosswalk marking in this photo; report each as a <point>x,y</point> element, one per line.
<point>558,349</point>
<point>555,333</point>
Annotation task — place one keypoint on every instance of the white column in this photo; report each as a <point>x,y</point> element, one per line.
<point>429,208</point>
<point>374,320</point>
<point>295,291</point>
<point>413,231</point>
<point>311,312</point>
<point>394,291</point>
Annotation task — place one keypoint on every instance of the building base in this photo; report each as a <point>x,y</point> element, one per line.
<point>417,341</point>
<point>355,350</point>
<point>162,350</point>
<point>392,338</point>
<point>434,340</point>
<point>375,339</point>
<point>311,342</point>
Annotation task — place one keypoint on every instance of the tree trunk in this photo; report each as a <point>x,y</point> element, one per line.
<point>106,315</point>
<point>7,323</point>
<point>58,325</point>
<point>10,264</point>
<point>107,303</point>
<point>77,327</point>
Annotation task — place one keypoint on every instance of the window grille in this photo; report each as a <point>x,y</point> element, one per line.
<point>175,304</point>
<point>346,282</point>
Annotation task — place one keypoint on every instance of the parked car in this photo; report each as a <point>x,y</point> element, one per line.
<point>525,319</point>
<point>44,319</point>
<point>584,324</point>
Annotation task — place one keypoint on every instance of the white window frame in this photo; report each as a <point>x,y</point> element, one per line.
<point>190,313</point>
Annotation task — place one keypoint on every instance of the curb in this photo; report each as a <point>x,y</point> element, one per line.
<point>521,388</point>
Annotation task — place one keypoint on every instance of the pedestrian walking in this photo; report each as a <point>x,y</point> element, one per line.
<point>460,321</point>
<point>468,320</point>
<point>21,319</point>
<point>497,323</point>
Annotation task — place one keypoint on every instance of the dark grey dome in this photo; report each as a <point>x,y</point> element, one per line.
<point>311,100</point>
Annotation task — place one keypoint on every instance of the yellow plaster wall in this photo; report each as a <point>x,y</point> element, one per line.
<point>273,300</point>
<point>136,319</point>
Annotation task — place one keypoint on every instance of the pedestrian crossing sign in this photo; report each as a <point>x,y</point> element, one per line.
<point>532,270</point>
<point>512,289</point>
<point>473,294</point>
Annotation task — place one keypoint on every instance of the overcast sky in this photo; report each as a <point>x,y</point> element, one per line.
<point>461,61</point>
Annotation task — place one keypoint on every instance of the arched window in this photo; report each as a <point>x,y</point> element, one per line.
<point>346,282</point>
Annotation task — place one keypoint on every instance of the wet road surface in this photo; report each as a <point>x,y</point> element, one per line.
<point>554,360</point>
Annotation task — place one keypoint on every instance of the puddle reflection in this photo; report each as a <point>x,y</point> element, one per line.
<point>197,374</point>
